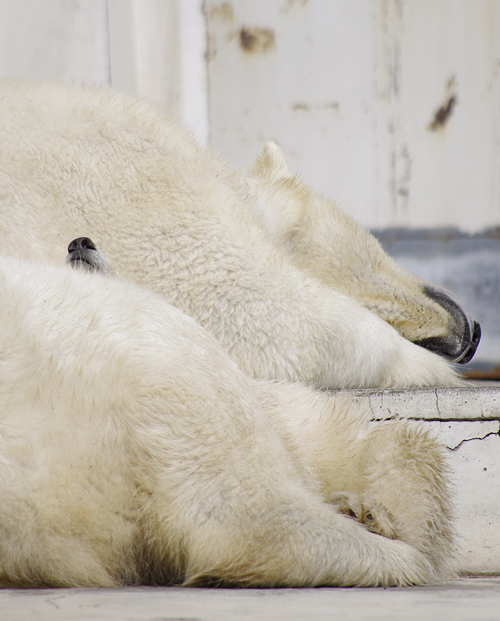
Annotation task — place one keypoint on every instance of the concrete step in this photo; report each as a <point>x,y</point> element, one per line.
<point>461,600</point>
<point>467,422</point>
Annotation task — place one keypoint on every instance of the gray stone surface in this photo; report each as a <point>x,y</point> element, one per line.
<point>460,600</point>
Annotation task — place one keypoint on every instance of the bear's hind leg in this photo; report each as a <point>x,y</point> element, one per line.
<point>406,471</point>
<point>392,476</point>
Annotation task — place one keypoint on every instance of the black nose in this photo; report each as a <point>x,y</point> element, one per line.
<point>476,337</point>
<point>81,243</point>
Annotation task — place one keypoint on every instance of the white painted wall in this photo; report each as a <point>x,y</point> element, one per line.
<point>349,89</point>
<point>54,40</point>
<point>157,51</point>
<point>151,48</point>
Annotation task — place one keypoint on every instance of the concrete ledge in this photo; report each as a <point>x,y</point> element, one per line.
<point>457,404</point>
<point>467,422</point>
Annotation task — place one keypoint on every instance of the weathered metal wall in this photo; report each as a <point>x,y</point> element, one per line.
<point>391,107</point>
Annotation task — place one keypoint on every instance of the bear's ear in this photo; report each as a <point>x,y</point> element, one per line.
<point>282,200</point>
<point>270,164</point>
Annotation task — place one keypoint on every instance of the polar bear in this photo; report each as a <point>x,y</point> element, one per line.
<point>92,162</point>
<point>312,229</point>
<point>133,450</point>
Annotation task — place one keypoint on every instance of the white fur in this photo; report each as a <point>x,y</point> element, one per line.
<point>133,450</point>
<point>88,162</point>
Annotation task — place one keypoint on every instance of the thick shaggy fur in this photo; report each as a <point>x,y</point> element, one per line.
<point>175,218</point>
<point>134,450</point>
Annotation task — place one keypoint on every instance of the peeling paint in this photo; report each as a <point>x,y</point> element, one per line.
<point>256,40</point>
<point>400,164</point>
<point>442,116</point>
<point>305,107</point>
<point>290,4</point>
<point>405,163</point>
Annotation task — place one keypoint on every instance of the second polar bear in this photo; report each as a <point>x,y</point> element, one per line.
<point>175,218</point>
<point>134,450</point>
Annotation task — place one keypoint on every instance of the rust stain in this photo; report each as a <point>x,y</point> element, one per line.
<point>256,40</point>
<point>223,11</point>
<point>442,115</point>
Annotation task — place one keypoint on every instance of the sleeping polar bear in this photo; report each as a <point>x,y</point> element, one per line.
<point>133,450</point>
<point>291,288</point>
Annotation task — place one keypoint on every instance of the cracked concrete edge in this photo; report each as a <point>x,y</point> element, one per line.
<point>440,404</point>
<point>461,443</point>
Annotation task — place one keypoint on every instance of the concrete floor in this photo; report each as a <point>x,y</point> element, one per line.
<point>468,599</point>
